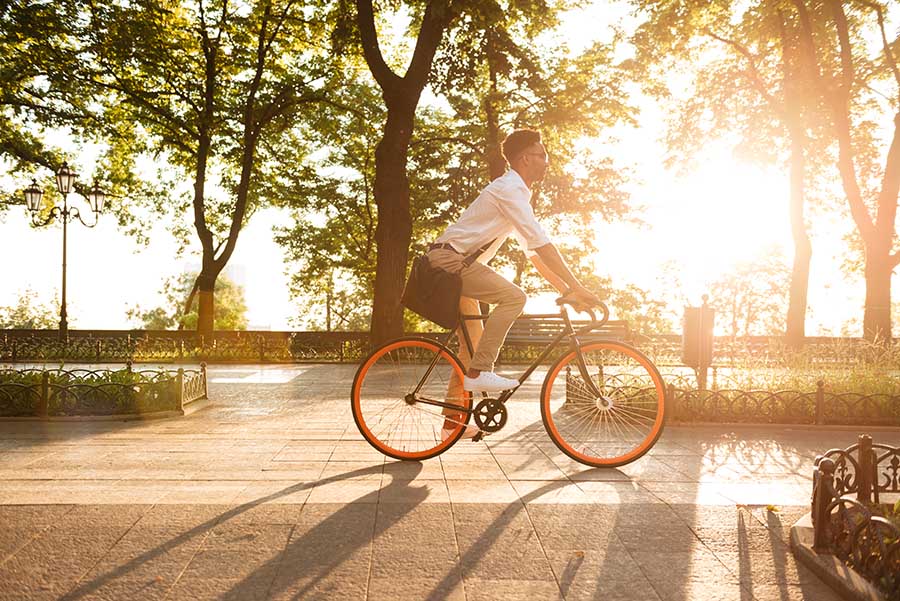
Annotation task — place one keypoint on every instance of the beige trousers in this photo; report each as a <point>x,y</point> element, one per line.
<point>481,283</point>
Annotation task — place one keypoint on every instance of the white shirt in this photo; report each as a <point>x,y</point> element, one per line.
<point>502,209</point>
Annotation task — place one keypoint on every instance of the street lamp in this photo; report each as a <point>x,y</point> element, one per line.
<point>65,183</point>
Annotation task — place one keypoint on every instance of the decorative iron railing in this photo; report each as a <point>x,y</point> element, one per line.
<point>819,406</point>
<point>99,346</point>
<point>81,392</point>
<point>850,528</point>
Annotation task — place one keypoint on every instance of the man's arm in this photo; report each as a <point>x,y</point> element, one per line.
<point>561,276</point>
<point>548,274</point>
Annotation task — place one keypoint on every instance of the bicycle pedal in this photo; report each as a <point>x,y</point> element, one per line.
<point>478,436</point>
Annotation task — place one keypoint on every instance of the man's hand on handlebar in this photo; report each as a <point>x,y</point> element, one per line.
<point>580,298</point>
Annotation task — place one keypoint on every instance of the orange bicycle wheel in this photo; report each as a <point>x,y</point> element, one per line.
<point>393,398</point>
<point>614,427</point>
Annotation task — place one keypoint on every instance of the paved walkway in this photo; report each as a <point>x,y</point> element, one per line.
<point>270,493</point>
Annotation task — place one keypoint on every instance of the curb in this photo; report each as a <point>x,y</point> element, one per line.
<point>786,426</point>
<point>190,408</point>
<point>845,581</point>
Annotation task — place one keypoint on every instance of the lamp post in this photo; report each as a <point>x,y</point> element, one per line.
<point>65,184</point>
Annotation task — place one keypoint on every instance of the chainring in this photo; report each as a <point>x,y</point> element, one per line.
<point>490,415</point>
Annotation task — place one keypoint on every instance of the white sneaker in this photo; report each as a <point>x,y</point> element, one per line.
<point>470,432</point>
<point>488,381</point>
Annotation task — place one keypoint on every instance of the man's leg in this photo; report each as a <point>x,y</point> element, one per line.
<point>455,392</point>
<point>482,283</point>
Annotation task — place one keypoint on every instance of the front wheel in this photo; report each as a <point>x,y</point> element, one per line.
<point>612,422</point>
<point>397,399</point>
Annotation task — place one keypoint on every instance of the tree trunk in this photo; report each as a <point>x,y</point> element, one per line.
<point>495,162</point>
<point>877,313</point>
<point>795,65</point>
<point>394,230</point>
<point>401,96</point>
<point>799,289</point>
<point>206,283</point>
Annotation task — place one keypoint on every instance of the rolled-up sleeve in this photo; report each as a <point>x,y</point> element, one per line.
<point>513,203</point>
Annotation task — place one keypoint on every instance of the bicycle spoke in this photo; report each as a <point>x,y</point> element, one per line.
<point>615,427</point>
<point>396,427</point>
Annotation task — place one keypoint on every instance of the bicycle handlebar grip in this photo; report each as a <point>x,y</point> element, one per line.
<point>604,310</point>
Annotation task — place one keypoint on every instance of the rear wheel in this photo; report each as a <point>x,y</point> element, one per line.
<point>614,427</point>
<point>392,415</point>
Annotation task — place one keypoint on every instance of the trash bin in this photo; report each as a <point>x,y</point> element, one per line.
<point>697,336</point>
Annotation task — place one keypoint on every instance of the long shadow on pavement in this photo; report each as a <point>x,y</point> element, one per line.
<point>355,540</point>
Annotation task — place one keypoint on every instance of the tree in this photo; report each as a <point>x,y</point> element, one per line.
<point>757,87</point>
<point>751,299</point>
<point>451,154</point>
<point>401,94</point>
<point>28,314</point>
<point>32,96</point>
<point>181,309</point>
<point>212,88</point>
<point>845,77</point>
<point>826,95</point>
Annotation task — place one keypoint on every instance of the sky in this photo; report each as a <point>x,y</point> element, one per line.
<point>701,224</point>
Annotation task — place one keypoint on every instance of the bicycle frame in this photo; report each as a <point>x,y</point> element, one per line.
<point>568,332</point>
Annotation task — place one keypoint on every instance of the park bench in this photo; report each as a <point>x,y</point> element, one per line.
<point>528,337</point>
<point>540,331</point>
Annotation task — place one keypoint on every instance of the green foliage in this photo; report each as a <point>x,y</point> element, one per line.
<point>28,314</point>
<point>751,300</point>
<point>34,94</point>
<point>845,365</point>
<point>230,312</point>
<point>494,79</point>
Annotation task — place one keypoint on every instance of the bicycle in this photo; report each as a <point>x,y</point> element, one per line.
<point>602,401</point>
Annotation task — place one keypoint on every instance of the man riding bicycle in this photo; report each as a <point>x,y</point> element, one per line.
<point>502,209</point>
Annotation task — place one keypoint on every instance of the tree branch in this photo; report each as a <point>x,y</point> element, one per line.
<point>753,71</point>
<point>438,15</point>
<point>365,19</point>
<point>840,22</point>
<point>472,146</point>
<point>888,53</point>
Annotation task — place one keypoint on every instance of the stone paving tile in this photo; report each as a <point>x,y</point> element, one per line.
<point>322,573</point>
<point>811,591</point>
<point>602,573</point>
<point>415,541</point>
<point>498,542</point>
<point>203,492</point>
<point>414,491</point>
<point>431,469</point>
<point>616,492</point>
<point>577,528</point>
<point>472,467</point>
<point>766,567</point>
<point>549,492</point>
<point>482,491</point>
<point>529,467</point>
<point>352,470</point>
<point>281,498</point>
<point>283,492</point>
<point>449,588</point>
<point>345,491</point>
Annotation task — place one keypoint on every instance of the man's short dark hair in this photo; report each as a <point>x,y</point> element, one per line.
<point>516,143</point>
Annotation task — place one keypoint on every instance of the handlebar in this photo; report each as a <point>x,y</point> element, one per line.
<point>604,310</point>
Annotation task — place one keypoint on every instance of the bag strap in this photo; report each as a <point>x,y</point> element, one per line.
<point>474,256</point>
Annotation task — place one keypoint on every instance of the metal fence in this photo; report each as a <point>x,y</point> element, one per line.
<point>849,527</point>
<point>81,392</point>
<point>731,397</point>
<point>817,406</point>
<point>349,347</point>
